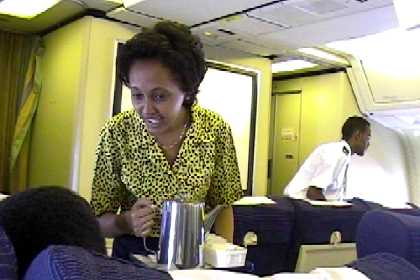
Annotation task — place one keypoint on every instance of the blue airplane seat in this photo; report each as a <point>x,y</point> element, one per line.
<point>414,211</point>
<point>59,262</point>
<point>386,231</point>
<point>272,224</point>
<point>385,266</point>
<point>8,263</point>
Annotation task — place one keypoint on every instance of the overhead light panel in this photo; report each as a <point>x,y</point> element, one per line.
<point>408,12</point>
<point>323,55</point>
<point>24,8</point>
<point>129,3</point>
<point>291,65</point>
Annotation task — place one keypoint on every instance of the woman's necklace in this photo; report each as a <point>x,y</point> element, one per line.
<point>177,141</point>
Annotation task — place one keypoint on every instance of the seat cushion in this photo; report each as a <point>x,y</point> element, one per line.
<point>8,264</point>
<point>59,262</point>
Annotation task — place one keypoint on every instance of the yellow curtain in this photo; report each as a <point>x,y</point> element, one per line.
<point>17,68</point>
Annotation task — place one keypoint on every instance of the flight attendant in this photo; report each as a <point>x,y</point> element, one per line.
<point>166,147</point>
<point>323,174</point>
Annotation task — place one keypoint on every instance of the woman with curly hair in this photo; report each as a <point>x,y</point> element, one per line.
<point>167,147</point>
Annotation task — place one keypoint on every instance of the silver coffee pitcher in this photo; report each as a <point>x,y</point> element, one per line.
<point>182,233</point>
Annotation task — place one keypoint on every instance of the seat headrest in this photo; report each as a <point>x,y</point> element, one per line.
<point>386,231</point>
<point>59,262</point>
<point>8,263</point>
<point>385,266</point>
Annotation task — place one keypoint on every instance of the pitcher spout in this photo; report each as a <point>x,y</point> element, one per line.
<point>210,217</point>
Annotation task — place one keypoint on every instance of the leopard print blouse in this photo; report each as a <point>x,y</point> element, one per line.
<point>130,165</point>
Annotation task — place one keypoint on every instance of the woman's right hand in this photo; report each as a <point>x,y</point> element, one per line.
<point>140,217</point>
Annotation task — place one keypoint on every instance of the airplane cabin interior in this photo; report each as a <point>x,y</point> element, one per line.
<point>285,75</point>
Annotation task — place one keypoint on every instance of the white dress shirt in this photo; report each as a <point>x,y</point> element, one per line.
<point>325,168</point>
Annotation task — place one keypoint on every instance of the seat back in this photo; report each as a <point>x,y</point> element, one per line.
<point>385,231</point>
<point>59,262</point>
<point>272,224</point>
<point>8,263</point>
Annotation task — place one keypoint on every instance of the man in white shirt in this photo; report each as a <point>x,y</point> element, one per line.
<point>323,174</point>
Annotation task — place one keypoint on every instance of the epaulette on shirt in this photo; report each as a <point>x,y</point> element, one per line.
<point>346,151</point>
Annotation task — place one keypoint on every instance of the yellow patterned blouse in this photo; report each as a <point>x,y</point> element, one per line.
<point>130,164</point>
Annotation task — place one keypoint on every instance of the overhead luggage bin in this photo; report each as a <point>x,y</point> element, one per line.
<point>384,75</point>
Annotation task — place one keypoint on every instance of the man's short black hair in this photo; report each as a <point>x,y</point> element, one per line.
<point>352,125</point>
<point>173,45</point>
<point>44,216</point>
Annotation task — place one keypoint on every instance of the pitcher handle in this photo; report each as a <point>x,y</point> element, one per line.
<point>148,250</point>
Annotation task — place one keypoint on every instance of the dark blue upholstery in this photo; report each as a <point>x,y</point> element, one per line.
<point>59,262</point>
<point>272,225</point>
<point>126,245</point>
<point>385,266</point>
<point>406,211</point>
<point>283,227</point>
<point>8,265</point>
<point>366,204</point>
<point>315,224</point>
<point>387,231</point>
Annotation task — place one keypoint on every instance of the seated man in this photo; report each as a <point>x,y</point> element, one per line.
<point>44,216</point>
<point>323,174</point>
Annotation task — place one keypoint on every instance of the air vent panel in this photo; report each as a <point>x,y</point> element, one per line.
<point>320,7</point>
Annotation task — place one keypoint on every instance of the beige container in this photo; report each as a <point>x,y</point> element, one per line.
<point>224,255</point>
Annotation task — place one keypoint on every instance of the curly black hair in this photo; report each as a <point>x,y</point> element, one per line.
<point>173,45</point>
<point>44,216</point>
<point>352,125</point>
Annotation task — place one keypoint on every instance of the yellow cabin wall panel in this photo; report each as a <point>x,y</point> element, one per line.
<point>53,134</point>
<point>327,101</point>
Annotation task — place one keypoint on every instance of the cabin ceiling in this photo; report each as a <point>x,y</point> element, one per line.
<point>260,27</point>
